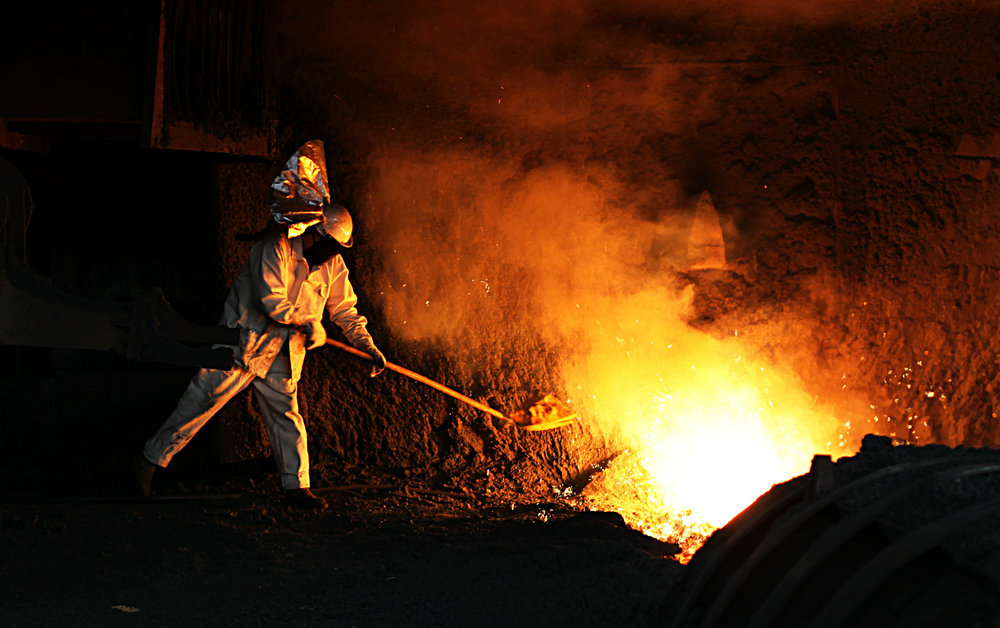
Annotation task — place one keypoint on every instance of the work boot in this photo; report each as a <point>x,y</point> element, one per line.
<point>143,475</point>
<point>304,498</point>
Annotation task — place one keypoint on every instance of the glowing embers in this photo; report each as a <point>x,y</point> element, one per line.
<point>547,413</point>
<point>627,487</point>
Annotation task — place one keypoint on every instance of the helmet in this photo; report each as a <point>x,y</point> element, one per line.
<point>337,224</point>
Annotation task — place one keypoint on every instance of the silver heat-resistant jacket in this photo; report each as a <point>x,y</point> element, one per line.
<point>276,292</point>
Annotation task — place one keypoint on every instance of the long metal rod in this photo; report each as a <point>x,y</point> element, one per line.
<point>420,378</point>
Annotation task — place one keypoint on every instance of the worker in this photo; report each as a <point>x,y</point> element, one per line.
<point>293,276</point>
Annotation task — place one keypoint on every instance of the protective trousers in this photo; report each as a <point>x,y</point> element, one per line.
<point>210,389</point>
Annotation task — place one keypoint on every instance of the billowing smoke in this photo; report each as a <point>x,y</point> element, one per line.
<point>516,162</point>
<point>530,170</point>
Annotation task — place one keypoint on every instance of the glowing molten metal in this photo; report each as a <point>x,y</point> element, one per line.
<point>546,413</point>
<point>699,432</point>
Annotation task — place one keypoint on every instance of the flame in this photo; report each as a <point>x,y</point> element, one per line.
<point>701,430</point>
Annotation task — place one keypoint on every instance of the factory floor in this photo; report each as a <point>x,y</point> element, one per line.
<point>224,550</point>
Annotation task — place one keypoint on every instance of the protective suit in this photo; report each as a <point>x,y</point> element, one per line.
<point>278,303</point>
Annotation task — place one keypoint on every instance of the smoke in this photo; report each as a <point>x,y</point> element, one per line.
<point>529,169</point>
<point>481,223</point>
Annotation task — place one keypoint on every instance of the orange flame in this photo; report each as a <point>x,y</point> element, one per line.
<point>702,430</point>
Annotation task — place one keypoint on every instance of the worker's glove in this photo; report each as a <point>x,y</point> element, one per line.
<point>379,365</point>
<point>315,334</point>
<point>369,347</point>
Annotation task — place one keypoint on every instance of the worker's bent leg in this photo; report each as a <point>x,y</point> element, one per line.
<point>208,391</point>
<point>285,428</point>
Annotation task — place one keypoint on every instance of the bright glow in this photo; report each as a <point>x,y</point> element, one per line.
<point>720,470</point>
<point>702,429</point>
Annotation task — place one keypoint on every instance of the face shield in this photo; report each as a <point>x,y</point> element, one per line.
<point>336,235</point>
<point>337,224</point>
